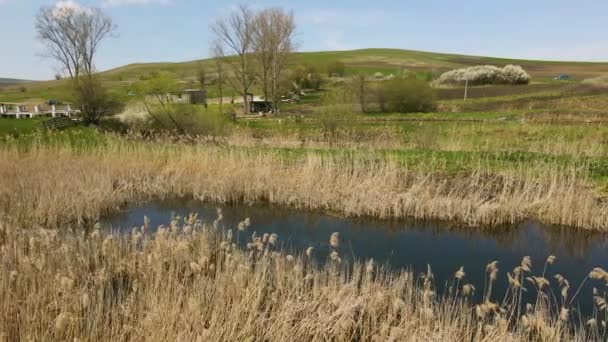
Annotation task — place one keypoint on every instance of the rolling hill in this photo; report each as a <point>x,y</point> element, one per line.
<point>357,61</point>
<point>5,82</point>
<point>385,60</point>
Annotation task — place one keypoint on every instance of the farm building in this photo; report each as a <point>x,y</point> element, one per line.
<point>257,104</point>
<point>191,96</point>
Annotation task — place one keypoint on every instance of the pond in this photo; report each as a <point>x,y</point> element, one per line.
<point>407,244</point>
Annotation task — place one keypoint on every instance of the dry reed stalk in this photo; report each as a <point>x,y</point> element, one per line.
<point>197,287</point>
<point>53,186</point>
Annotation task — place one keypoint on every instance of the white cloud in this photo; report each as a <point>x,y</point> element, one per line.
<point>114,3</point>
<point>64,7</point>
<point>67,5</point>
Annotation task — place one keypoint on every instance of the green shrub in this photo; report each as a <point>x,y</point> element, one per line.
<point>112,124</point>
<point>336,68</point>
<point>306,76</point>
<point>159,97</point>
<point>337,112</point>
<point>188,119</point>
<point>93,99</point>
<point>407,96</point>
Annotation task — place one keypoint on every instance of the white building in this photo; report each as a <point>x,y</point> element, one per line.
<point>22,110</point>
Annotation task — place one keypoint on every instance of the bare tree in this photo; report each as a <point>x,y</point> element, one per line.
<point>360,89</point>
<point>236,36</point>
<point>72,35</point>
<point>273,32</point>
<point>217,53</point>
<point>201,76</point>
<point>263,52</point>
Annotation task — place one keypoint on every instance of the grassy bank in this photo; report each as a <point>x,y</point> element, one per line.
<point>16,127</point>
<point>445,132</point>
<point>189,282</point>
<point>58,183</point>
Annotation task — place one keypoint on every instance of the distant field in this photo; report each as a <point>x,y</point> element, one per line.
<point>5,82</point>
<point>383,60</point>
<point>502,90</point>
<point>369,61</point>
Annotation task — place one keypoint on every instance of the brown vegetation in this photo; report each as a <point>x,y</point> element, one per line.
<point>190,282</point>
<point>66,185</point>
<point>579,99</point>
<point>500,90</point>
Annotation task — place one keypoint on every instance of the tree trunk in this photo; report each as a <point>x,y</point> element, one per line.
<point>221,93</point>
<point>245,104</point>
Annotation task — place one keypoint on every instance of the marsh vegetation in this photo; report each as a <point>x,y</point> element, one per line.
<point>352,134</point>
<point>191,282</point>
<point>67,184</point>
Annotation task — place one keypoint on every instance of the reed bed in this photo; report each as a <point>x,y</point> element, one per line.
<point>55,186</point>
<point>190,282</point>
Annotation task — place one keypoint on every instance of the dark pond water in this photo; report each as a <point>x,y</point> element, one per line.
<point>404,244</point>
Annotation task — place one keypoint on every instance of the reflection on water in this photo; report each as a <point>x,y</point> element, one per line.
<point>403,244</point>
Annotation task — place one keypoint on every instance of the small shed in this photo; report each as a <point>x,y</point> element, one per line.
<point>192,96</point>
<point>257,104</point>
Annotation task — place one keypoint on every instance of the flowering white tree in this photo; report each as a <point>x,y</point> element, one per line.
<point>485,74</point>
<point>515,74</point>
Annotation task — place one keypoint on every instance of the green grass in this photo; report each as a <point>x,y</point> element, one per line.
<point>443,116</point>
<point>367,61</point>
<point>370,61</point>
<point>19,126</point>
<point>26,133</point>
<point>37,92</point>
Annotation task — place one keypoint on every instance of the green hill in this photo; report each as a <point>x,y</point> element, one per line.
<point>368,61</point>
<point>382,60</point>
<point>5,82</point>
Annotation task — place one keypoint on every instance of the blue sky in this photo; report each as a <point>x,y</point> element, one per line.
<point>178,30</point>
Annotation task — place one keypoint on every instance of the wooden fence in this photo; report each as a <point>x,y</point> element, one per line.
<point>58,123</point>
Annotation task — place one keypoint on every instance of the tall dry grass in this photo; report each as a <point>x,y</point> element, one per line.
<point>190,282</point>
<point>58,185</point>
